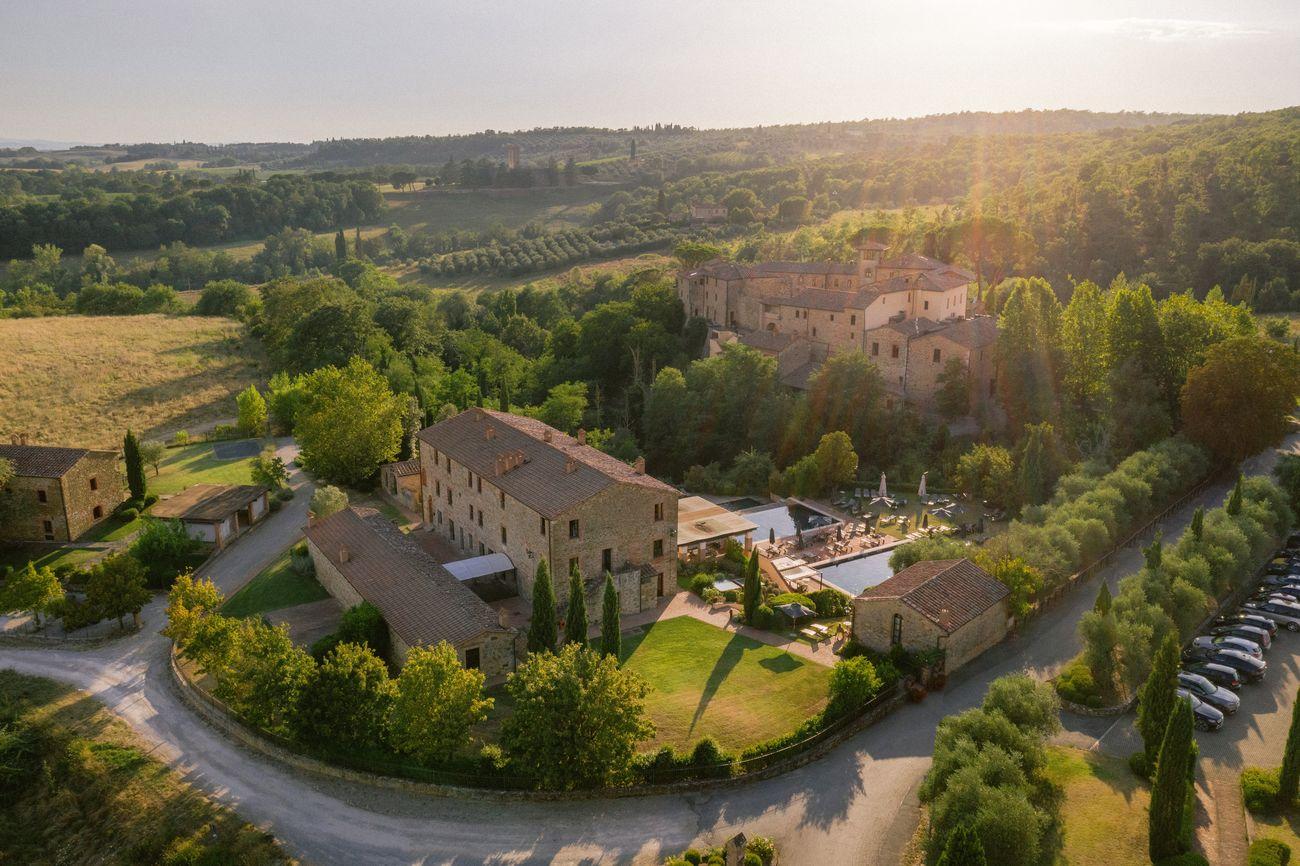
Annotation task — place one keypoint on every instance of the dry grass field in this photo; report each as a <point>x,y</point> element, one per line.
<point>82,380</point>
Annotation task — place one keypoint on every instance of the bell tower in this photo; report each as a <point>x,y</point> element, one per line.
<point>869,252</point>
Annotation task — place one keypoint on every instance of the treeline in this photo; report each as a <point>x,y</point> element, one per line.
<point>145,220</point>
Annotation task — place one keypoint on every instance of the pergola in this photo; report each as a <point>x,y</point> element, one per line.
<point>703,527</point>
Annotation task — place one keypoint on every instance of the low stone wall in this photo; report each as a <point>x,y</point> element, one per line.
<point>216,714</point>
<point>1098,712</point>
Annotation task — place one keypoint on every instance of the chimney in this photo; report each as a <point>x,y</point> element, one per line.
<point>546,435</point>
<point>582,436</point>
<point>570,466</point>
<point>344,555</point>
<point>501,465</point>
<point>639,466</point>
<point>489,432</point>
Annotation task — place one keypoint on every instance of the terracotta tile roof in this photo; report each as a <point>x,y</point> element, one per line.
<point>940,281</point>
<point>420,600</point>
<point>912,328</point>
<point>948,592</point>
<point>209,503</point>
<point>892,285</point>
<point>799,377</point>
<point>818,268</point>
<point>41,461</point>
<point>766,341</point>
<point>403,468</point>
<point>721,271</point>
<point>545,481</point>
<point>877,246</point>
<point>974,333</point>
<point>915,262</point>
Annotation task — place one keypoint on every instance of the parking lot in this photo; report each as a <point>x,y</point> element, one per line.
<point>1254,735</point>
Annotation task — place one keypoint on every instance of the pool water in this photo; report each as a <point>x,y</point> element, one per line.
<point>785,520</point>
<point>742,503</point>
<point>855,575</point>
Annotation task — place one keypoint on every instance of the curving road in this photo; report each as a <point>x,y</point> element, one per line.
<point>856,805</point>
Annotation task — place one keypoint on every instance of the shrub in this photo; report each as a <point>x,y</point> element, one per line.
<point>1138,764</point>
<point>1259,790</point>
<point>830,602</point>
<point>702,582</point>
<point>181,437</point>
<point>712,596</point>
<point>791,598</point>
<point>709,757</point>
<point>1268,852</point>
<point>150,499</point>
<point>764,847</point>
<point>854,682</point>
<point>1077,685</point>
<point>77,614</point>
<point>763,617</point>
<point>130,513</point>
<point>690,855</point>
<point>165,549</point>
<point>284,494</point>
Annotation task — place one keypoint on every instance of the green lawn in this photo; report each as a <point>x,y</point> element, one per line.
<point>114,528</point>
<point>18,557</point>
<point>197,464</point>
<point>707,682</point>
<point>277,587</point>
<point>1104,809</point>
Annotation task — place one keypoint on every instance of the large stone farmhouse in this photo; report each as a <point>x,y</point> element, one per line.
<point>361,556</point>
<point>497,483</point>
<point>910,314</point>
<point>68,490</point>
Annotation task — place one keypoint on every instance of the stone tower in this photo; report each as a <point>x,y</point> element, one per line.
<point>869,253</point>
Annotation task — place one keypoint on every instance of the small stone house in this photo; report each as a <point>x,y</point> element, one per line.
<point>399,483</point>
<point>216,513</point>
<point>360,556</point>
<point>68,490</point>
<point>949,604</point>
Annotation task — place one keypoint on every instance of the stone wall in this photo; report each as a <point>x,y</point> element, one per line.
<point>873,621</point>
<point>72,505</point>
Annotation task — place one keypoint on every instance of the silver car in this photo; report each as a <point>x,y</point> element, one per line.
<point>1228,642</point>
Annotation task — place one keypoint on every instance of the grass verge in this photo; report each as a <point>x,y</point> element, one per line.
<point>77,786</point>
<point>279,586</point>
<point>1104,809</point>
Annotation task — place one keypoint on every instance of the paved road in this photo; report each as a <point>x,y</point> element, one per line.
<point>856,805</point>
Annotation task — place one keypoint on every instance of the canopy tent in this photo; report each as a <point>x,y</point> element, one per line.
<point>480,566</point>
<point>700,521</point>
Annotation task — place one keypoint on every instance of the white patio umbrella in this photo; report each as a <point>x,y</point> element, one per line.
<point>882,493</point>
<point>921,490</point>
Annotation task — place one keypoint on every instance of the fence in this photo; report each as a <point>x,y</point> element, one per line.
<point>371,769</point>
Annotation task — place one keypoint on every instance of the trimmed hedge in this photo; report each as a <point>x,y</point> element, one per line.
<point>1259,789</point>
<point>1268,852</point>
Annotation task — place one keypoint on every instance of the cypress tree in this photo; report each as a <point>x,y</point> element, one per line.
<point>1156,699</point>
<point>1154,552</point>
<point>1102,604</point>
<point>542,630</point>
<point>1288,778</point>
<point>753,595</point>
<point>1234,501</point>
<point>575,623</point>
<point>963,848</point>
<point>611,638</point>
<point>340,246</point>
<point>1169,788</point>
<point>135,480</point>
<point>1198,523</point>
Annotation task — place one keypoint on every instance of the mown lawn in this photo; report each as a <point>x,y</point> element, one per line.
<point>198,464</point>
<point>1283,828</point>
<point>80,788</point>
<point>18,557</point>
<point>708,682</point>
<point>1104,809</point>
<point>277,587</point>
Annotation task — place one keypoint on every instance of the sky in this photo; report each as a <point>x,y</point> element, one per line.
<point>98,71</point>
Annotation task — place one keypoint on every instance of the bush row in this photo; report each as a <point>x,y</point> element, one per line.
<point>558,250</point>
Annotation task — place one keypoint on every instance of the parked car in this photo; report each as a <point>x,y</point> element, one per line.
<point>1207,717</point>
<point>1227,642</point>
<point>1254,619</point>
<point>1250,668</point>
<point>1216,696</point>
<point>1220,675</point>
<point>1283,613</point>
<point>1249,632</point>
<point>1286,590</point>
<point>1289,579</point>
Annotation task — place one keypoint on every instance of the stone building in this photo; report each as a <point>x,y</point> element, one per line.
<point>360,556</point>
<point>949,604</point>
<point>499,483</point>
<point>67,490</point>
<point>804,312</point>
<point>702,212</point>
<point>911,355</point>
<point>399,483</point>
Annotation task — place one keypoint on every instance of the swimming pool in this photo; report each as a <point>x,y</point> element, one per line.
<point>855,575</point>
<point>786,520</point>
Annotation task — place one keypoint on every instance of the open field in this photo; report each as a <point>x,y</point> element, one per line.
<point>83,380</point>
<point>199,464</point>
<point>476,283</point>
<point>437,211</point>
<point>1104,809</point>
<point>708,682</point>
<point>80,784</point>
<point>279,586</point>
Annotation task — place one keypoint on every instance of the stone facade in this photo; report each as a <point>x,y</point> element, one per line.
<point>912,355</point>
<point>873,625</point>
<point>63,508</point>
<point>619,529</point>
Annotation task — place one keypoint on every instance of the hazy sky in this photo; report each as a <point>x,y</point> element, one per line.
<point>238,70</point>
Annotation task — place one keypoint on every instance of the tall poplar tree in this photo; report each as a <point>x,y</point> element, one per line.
<point>134,460</point>
<point>611,637</point>
<point>753,594</point>
<point>340,246</point>
<point>575,622</point>
<point>542,631</point>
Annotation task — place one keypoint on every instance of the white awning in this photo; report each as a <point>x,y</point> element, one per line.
<point>479,566</point>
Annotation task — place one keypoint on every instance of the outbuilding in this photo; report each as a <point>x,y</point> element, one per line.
<point>215,513</point>
<point>949,604</point>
